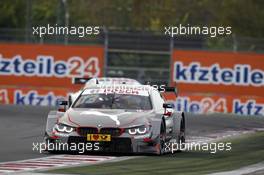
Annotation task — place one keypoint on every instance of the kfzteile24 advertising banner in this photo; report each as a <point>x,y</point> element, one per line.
<point>232,82</point>
<point>46,69</point>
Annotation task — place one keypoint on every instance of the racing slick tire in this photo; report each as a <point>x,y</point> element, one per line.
<point>46,139</point>
<point>162,139</point>
<point>181,137</point>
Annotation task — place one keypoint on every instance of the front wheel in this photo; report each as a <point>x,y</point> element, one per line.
<point>162,139</point>
<point>48,141</point>
<point>181,137</point>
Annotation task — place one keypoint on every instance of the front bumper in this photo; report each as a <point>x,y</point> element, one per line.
<point>123,145</point>
<point>120,144</point>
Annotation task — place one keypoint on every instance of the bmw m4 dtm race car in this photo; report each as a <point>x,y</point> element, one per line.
<point>120,119</point>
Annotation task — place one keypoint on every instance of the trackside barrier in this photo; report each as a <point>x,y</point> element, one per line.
<point>218,72</point>
<point>48,65</point>
<point>211,103</point>
<point>207,81</point>
<point>218,82</point>
<point>33,96</point>
<point>41,74</point>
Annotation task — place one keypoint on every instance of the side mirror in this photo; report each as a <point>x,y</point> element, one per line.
<point>168,109</point>
<point>172,89</point>
<point>62,106</point>
<point>64,103</point>
<point>168,105</point>
<point>77,80</point>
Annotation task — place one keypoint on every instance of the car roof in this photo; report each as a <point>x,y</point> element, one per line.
<point>111,80</point>
<point>140,87</point>
<point>97,86</point>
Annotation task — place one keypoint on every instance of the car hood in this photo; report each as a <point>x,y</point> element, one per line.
<point>105,117</point>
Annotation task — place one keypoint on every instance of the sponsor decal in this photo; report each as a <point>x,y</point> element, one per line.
<point>202,104</point>
<point>99,137</point>
<point>223,73</point>
<point>242,75</point>
<point>48,65</point>
<point>36,97</point>
<point>126,91</point>
<point>250,107</point>
<point>225,82</point>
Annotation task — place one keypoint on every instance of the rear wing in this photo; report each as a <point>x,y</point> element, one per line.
<point>80,80</point>
<point>171,89</point>
<point>169,94</point>
<point>168,89</point>
<point>163,87</point>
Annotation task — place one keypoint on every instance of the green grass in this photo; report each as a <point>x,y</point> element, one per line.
<point>246,150</point>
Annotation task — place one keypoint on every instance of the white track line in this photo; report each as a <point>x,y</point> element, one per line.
<point>220,136</point>
<point>51,162</point>
<point>244,170</point>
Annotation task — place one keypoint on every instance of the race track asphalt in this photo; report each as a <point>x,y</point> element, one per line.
<point>20,126</point>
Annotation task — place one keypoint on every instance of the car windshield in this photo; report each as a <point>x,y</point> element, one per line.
<point>113,101</point>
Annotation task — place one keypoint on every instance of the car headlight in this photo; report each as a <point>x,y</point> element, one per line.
<point>138,130</point>
<point>63,128</point>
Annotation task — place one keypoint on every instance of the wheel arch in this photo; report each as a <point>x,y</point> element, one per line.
<point>52,120</point>
<point>155,126</point>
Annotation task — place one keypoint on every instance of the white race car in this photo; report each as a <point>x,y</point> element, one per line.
<point>99,81</point>
<point>120,118</point>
